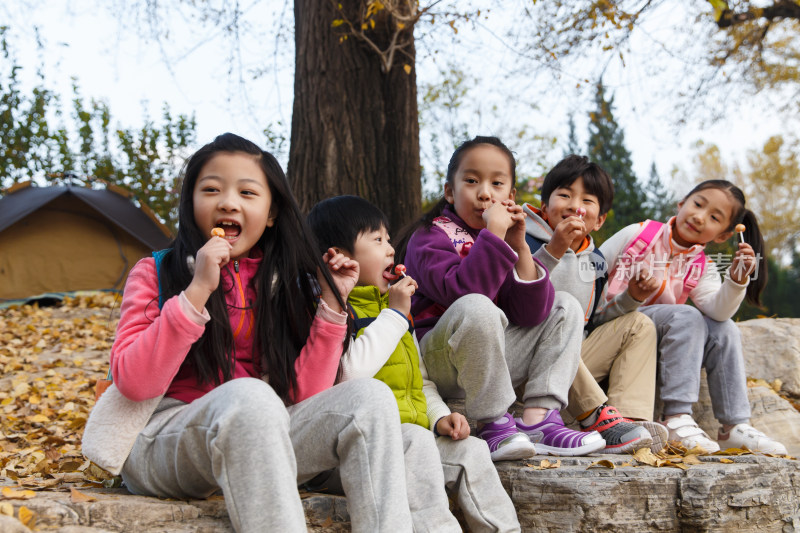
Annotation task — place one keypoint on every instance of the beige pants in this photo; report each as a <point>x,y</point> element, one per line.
<point>624,351</point>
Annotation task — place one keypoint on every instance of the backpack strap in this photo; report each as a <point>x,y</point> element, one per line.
<point>158,256</point>
<point>641,243</point>
<point>359,322</point>
<point>461,239</point>
<point>693,274</point>
<point>103,384</point>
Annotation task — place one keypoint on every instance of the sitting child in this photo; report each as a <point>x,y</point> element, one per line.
<point>576,198</point>
<point>386,348</point>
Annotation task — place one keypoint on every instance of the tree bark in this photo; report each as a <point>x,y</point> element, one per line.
<point>355,129</point>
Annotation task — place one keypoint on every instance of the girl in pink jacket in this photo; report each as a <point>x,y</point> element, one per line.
<point>224,361</point>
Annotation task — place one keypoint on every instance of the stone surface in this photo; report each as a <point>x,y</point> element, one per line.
<point>770,413</point>
<point>771,348</point>
<point>755,493</point>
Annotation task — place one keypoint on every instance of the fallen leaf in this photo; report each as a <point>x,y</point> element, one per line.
<point>27,517</point>
<point>605,463</point>
<point>692,460</point>
<point>645,456</point>
<point>6,509</point>
<point>11,494</point>
<point>77,496</point>
<point>726,461</point>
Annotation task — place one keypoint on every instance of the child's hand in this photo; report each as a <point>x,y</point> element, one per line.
<point>515,235</point>
<point>454,426</point>
<point>215,254</point>
<point>345,275</point>
<point>498,219</point>
<point>400,294</point>
<point>642,284</point>
<point>744,262</point>
<point>565,233</point>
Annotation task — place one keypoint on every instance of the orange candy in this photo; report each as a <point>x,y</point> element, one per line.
<point>217,232</point>
<point>740,228</point>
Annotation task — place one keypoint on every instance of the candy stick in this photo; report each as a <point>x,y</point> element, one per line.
<point>740,230</point>
<point>581,211</point>
<point>218,232</point>
<point>400,269</point>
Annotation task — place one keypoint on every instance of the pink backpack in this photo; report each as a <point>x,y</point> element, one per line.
<point>638,248</point>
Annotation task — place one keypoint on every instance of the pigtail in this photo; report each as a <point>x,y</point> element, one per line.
<point>753,237</point>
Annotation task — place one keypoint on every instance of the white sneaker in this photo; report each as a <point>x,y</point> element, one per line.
<point>746,436</point>
<point>657,431</point>
<point>685,430</point>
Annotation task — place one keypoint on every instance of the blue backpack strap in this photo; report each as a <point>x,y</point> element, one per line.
<point>600,265</point>
<point>158,255</point>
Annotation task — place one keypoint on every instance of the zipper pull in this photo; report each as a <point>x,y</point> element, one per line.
<point>236,266</point>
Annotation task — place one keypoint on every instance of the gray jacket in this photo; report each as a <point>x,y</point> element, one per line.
<point>575,273</point>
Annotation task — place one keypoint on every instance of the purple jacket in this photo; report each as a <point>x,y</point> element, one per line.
<point>443,277</point>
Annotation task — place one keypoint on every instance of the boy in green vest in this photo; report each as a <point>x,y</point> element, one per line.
<point>437,444</point>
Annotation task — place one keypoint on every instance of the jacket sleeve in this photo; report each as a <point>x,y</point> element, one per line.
<point>369,351</point>
<point>444,277</point>
<point>623,302</point>
<point>318,363</point>
<point>718,300</point>
<point>150,344</point>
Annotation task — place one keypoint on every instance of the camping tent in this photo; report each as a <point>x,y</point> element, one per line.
<point>68,238</point>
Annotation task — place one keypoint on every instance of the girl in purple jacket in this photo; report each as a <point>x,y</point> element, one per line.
<point>486,315</point>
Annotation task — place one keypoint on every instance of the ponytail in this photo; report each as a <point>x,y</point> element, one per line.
<point>753,237</point>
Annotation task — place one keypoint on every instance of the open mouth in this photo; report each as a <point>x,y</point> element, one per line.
<point>231,229</point>
<point>389,273</point>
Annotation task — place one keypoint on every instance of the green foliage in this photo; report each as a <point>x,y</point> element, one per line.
<point>660,201</point>
<point>35,143</point>
<point>606,147</point>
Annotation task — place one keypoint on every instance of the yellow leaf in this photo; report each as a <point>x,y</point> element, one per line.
<point>27,517</point>
<point>645,456</point>
<point>726,461</point>
<point>407,68</point>
<point>337,22</point>
<point>77,496</point>
<point>400,25</point>
<point>372,23</point>
<point>452,24</point>
<point>692,460</point>
<point>364,26</point>
<point>11,494</point>
<point>6,509</point>
<point>605,463</point>
<point>38,419</point>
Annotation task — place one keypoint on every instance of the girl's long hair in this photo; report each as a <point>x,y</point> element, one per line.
<point>752,234</point>
<point>426,220</point>
<point>285,283</point>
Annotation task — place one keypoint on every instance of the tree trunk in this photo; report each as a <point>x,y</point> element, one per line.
<point>355,129</point>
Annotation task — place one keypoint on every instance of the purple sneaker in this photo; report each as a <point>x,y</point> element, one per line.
<point>505,441</point>
<point>553,437</point>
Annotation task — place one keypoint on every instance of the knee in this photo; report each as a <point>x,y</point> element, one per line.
<point>253,402</point>
<point>369,397</point>
<point>726,333</point>
<point>477,309</point>
<point>568,305</point>
<point>686,317</point>
<point>643,325</point>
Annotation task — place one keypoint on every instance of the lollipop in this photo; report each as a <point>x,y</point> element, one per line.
<point>218,232</point>
<point>740,230</point>
<point>581,211</point>
<point>400,269</point>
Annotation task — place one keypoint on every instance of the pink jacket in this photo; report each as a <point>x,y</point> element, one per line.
<point>151,344</point>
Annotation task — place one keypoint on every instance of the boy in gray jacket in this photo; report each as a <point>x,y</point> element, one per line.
<point>576,198</point>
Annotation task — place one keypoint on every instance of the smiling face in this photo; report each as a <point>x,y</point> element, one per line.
<point>375,258</point>
<point>703,217</point>
<point>564,203</point>
<point>483,174</point>
<point>231,192</point>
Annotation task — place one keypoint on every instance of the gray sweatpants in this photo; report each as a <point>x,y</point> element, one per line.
<point>473,353</point>
<point>465,469</point>
<point>240,438</point>
<point>689,341</point>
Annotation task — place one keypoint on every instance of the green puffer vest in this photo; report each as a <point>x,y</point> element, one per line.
<point>401,371</point>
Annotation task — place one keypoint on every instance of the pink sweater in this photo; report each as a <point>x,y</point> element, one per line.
<point>151,344</point>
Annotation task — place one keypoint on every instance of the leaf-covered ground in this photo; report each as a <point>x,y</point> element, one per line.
<point>50,360</point>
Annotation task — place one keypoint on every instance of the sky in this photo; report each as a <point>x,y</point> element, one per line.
<point>101,49</point>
